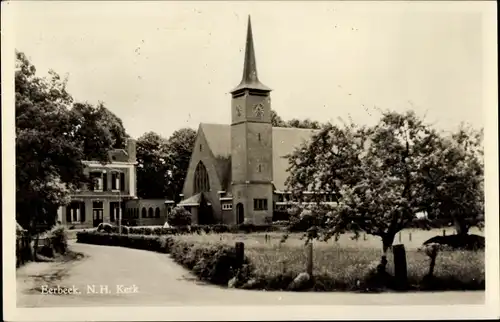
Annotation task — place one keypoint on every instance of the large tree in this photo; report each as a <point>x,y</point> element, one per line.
<point>376,171</point>
<point>153,169</point>
<point>163,163</point>
<point>51,141</point>
<point>180,148</point>
<point>454,180</point>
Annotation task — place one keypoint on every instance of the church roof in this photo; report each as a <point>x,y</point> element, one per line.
<point>192,201</point>
<point>285,140</point>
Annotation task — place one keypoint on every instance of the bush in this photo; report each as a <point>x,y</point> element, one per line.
<point>469,242</point>
<point>58,237</point>
<point>179,217</point>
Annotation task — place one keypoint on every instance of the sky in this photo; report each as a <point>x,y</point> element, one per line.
<point>160,66</point>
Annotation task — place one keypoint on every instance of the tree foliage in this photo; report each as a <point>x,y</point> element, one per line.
<point>163,163</point>
<point>152,169</point>
<point>179,217</point>
<point>384,175</point>
<point>53,136</point>
<point>277,121</point>
<point>454,180</point>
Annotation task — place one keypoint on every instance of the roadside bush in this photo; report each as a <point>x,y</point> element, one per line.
<point>213,263</point>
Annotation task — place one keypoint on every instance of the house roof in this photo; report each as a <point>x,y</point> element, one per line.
<point>285,140</point>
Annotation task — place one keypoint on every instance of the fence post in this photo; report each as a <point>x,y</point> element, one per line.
<point>444,232</point>
<point>240,253</point>
<point>399,236</point>
<point>309,251</point>
<point>410,235</point>
<point>364,236</point>
<point>400,266</point>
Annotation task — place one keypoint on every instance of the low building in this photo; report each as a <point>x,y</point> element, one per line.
<point>147,212</point>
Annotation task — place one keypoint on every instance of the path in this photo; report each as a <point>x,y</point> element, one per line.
<point>162,282</point>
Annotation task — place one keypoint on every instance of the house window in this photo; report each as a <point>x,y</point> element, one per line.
<point>260,168</point>
<point>260,204</point>
<point>227,206</point>
<point>201,180</point>
<point>144,212</point>
<point>157,212</point>
<point>150,212</point>
<point>75,212</point>
<point>115,181</point>
<point>201,147</point>
<point>114,211</point>
<point>97,179</point>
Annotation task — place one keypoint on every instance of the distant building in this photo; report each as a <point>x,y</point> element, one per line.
<point>237,172</point>
<point>115,184</point>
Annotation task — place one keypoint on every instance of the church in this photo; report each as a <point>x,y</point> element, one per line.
<point>237,171</point>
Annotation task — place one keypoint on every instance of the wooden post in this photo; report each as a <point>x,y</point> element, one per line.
<point>410,236</point>
<point>400,267</point>
<point>444,232</point>
<point>364,236</point>
<point>399,236</point>
<point>309,254</point>
<point>240,253</point>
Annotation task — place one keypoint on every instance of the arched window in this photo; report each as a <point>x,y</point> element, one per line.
<point>150,212</point>
<point>157,212</point>
<point>144,212</point>
<point>201,180</point>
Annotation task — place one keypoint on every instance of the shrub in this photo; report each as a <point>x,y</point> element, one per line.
<point>58,237</point>
<point>469,242</point>
<point>179,217</point>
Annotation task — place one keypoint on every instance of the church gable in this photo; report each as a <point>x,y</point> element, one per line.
<point>202,158</point>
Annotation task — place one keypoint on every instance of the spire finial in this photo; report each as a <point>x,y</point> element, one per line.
<point>250,79</point>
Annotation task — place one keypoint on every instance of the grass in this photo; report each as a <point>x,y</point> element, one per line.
<point>346,262</point>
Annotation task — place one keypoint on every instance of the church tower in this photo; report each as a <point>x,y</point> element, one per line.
<point>251,144</point>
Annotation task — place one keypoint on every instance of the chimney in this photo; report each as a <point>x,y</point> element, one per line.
<point>131,150</point>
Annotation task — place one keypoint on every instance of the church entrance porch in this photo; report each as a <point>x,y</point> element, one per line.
<point>240,213</point>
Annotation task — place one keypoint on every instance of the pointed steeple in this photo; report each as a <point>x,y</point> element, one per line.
<point>250,79</point>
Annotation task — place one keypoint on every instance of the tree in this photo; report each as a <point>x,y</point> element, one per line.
<point>454,180</point>
<point>96,126</point>
<point>277,121</point>
<point>376,171</point>
<point>180,147</point>
<point>153,168</point>
<point>51,141</point>
<point>179,217</point>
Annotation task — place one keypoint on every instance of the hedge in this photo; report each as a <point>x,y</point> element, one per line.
<point>207,229</point>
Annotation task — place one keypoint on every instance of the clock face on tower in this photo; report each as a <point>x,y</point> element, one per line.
<point>259,110</point>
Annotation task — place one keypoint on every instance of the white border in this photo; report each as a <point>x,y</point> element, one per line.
<point>489,310</point>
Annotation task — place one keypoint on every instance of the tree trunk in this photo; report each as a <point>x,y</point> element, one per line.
<point>387,241</point>
<point>461,226</point>
<point>35,247</point>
